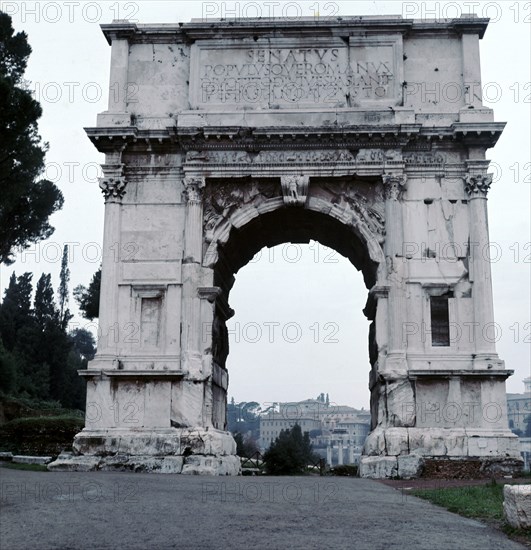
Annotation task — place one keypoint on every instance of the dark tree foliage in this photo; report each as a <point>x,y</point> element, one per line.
<point>290,453</point>
<point>88,299</point>
<point>8,370</point>
<point>43,306</point>
<point>244,418</point>
<point>16,309</point>
<point>84,343</point>
<point>64,279</point>
<point>26,202</point>
<point>38,358</point>
<point>527,430</point>
<point>245,446</point>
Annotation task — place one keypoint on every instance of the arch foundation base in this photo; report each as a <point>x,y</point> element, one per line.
<point>440,453</point>
<point>167,451</point>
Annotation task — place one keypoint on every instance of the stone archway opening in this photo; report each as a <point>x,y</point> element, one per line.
<point>298,312</point>
<point>298,348</point>
<point>285,224</point>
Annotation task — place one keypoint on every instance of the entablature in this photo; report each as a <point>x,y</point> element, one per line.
<point>207,27</point>
<point>390,136</point>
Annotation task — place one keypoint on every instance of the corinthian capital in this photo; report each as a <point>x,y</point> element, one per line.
<point>193,188</point>
<point>394,185</point>
<point>477,185</point>
<point>113,183</point>
<point>113,187</point>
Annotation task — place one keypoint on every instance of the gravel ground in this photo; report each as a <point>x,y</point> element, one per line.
<point>42,510</point>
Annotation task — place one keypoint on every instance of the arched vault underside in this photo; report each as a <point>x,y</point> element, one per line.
<point>222,138</point>
<point>235,240</point>
<point>295,225</point>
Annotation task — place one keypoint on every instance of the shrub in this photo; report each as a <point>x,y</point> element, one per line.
<point>290,453</point>
<point>349,470</point>
<point>40,435</point>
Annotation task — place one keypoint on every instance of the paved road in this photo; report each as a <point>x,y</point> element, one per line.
<point>42,510</point>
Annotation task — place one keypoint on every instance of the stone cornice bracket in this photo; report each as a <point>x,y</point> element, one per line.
<point>477,185</point>
<point>394,185</point>
<point>295,189</point>
<point>209,293</point>
<point>193,188</point>
<point>113,182</point>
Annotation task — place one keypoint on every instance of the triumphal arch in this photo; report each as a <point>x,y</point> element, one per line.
<point>367,134</point>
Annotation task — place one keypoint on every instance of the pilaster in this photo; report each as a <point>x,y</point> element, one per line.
<point>191,321</point>
<point>394,185</point>
<point>113,185</point>
<point>477,184</point>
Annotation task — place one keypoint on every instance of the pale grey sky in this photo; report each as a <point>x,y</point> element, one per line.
<point>315,298</point>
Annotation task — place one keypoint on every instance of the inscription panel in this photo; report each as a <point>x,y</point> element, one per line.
<point>328,73</point>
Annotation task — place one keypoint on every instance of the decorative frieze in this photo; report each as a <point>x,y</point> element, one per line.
<point>292,156</point>
<point>424,158</point>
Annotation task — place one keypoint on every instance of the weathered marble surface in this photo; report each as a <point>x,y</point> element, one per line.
<point>367,134</point>
<point>517,505</point>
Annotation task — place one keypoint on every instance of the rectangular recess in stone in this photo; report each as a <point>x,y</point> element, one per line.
<point>440,321</point>
<point>150,320</point>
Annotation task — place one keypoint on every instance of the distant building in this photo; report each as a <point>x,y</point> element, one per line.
<point>518,409</point>
<point>307,414</point>
<point>337,432</point>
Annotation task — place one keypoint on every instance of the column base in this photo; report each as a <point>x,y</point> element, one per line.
<point>446,453</point>
<point>173,451</point>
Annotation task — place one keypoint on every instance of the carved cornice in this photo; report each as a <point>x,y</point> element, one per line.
<point>209,293</point>
<point>294,189</point>
<point>193,188</point>
<point>394,185</point>
<point>270,23</point>
<point>477,185</point>
<point>364,135</point>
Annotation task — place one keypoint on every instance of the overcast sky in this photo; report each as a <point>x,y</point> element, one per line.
<point>306,300</point>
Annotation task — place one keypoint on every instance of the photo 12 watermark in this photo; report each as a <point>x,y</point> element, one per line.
<point>269,492</point>
<point>71,12</point>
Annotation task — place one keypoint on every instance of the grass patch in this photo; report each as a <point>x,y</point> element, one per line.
<point>482,502</point>
<point>27,467</point>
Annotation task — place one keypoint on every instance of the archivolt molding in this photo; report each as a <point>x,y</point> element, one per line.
<point>363,213</point>
<point>233,204</point>
<point>220,202</point>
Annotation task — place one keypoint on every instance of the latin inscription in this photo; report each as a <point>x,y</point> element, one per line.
<point>286,76</point>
